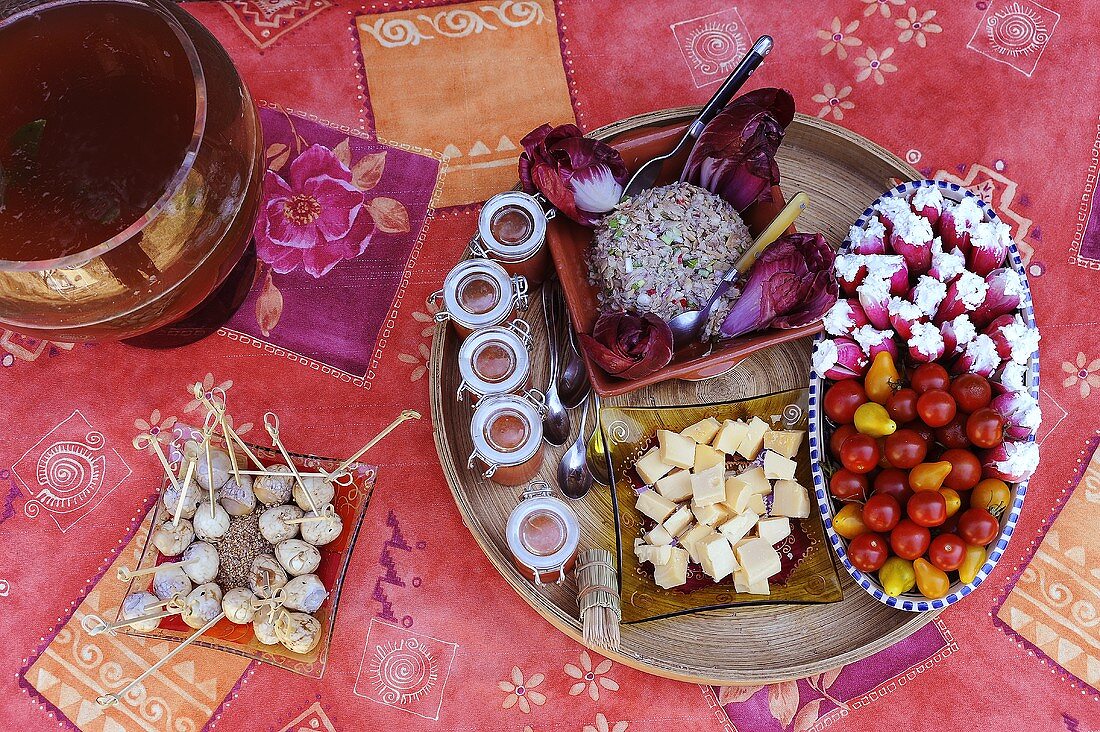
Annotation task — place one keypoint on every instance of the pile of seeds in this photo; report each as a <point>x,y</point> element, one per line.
<point>241,544</point>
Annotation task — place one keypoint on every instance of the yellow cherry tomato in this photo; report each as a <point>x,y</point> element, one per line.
<point>872,419</point>
<point>932,582</point>
<point>882,378</point>
<point>848,521</point>
<point>993,495</point>
<point>897,576</point>
<point>954,501</point>
<point>972,562</point>
<point>929,476</point>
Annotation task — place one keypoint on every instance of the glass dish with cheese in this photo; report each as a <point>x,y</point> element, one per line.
<point>713,508</point>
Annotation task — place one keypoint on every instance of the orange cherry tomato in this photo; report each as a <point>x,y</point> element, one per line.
<point>952,499</point>
<point>993,495</point>
<point>882,378</point>
<point>931,581</point>
<point>929,476</point>
<point>848,521</point>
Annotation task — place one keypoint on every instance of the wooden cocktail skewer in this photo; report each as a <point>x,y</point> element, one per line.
<point>143,441</point>
<point>95,625</point>
<point>229,432</point>
<point>271,424</point>
<point>406,415</point>
<point>107,700</point>
<point>125,575</point>
<point>328,513</point>
<point>207,433</point>
<point>219,412</point>
<point>183,489</point>
<point>271,604</point>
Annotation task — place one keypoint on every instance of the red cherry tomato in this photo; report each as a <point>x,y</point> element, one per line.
<point>971,392</point>
<point>978,527</point>
<point>860,453</point>
<point>923,430</point>
<point>902,405</point>
<point>953,434</point>
<point>881,512</point>
<point>840,434</point>
<point>848,486</point>
<point>842,400</point>
<point>893,482</point>
<point>966,470</point>
<point>868,551</point>
<point>927,508</point>
<point>929,377</point>
<point>947,552</point>
<point>935,407</point>
<point>909,540</point>
<point>905,449</point>
<point>985,428</point>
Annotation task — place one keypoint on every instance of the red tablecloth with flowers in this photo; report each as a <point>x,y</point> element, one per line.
<point>397,118</point>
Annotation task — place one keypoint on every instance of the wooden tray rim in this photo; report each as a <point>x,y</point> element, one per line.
<point>552,613</point>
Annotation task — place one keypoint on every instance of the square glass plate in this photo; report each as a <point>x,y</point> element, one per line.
<point>350,502</point>
<point>809,574</point>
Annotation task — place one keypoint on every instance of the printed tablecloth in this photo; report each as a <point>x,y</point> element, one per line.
<point>420,106</point>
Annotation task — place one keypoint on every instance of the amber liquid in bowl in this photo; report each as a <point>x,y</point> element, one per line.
<point>129,168</point>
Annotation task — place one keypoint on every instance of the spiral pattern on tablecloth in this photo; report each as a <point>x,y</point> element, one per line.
<point>1016,30</point>
<point>404,671</point>
<point>792,414</point>
<point>715,46</point>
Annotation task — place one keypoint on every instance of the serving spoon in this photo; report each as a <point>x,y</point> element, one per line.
<point>555,425</point>
<point>574,476</point>
<point>688,326</point>
<point>646,175</point>
<point>573,384</point>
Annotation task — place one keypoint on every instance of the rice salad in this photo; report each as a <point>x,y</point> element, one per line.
<point>665,250</point>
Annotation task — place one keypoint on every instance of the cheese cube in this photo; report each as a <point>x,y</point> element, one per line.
<point>738,494</point>
<point>759,559</point>
<point>754,439</point>
<point>692,537</point>
<point>790,499</point>
<point>756,481</point>
<point>710,515</point>
<point>742,584</point>
<point>678,521</point>
<point>675,449</point>
<point>654,505</point>
<point>774,529</point>
<point>676,486</point>
<point>707,457</point>
<point>650,468</point>
<point>702,431</point>
<point>738,527</point>
<point>653,554</point>
<point>757,505</point>
<point>658,536</point>
<point>730,436</point>
<point>716,557</point>
<point>777,467</point>
<point>672,573</point>
<point>784,442</point>
<point>709,486</point>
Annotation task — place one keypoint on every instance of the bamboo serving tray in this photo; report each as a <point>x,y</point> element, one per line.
<point>842,173</point>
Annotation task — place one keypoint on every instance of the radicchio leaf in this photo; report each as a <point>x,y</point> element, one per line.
<point>629,346</point>
<point>582,177</point>
<point>735,155</point>
<point>790,285</point>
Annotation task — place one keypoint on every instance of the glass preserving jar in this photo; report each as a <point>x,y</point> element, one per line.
<point>496,360</point>
<point>512,230</point>
<point>479,293</point>
<point>543,536</point>
<point>506,430</point>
